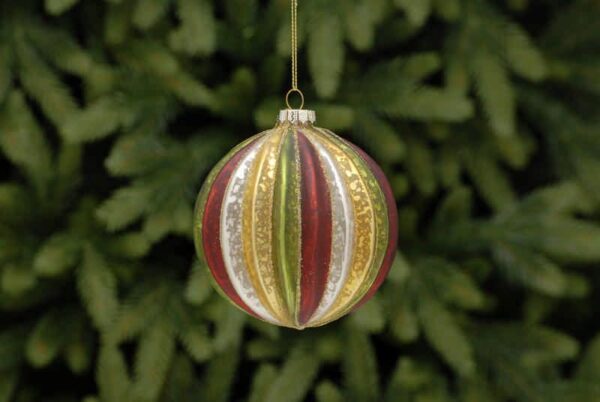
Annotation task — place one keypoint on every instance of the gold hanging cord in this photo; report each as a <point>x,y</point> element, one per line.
<point>294,32</point>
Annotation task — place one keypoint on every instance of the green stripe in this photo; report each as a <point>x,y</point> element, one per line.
<point>286,222</point>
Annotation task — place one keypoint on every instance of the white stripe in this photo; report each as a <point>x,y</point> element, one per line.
<point>231,235</point>
<point>342,234</point>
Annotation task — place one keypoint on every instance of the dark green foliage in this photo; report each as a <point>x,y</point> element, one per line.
<point>483,113</point>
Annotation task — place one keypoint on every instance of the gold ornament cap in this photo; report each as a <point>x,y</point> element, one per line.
<point>295,116</point>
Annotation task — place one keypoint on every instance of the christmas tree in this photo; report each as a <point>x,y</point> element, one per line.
<point>484,115</point>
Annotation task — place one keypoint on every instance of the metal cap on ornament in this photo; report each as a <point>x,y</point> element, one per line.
<point>297,116</point>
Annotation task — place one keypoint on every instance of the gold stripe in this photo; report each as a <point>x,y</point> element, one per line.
<point>257,236</point>
<point>299,245</point>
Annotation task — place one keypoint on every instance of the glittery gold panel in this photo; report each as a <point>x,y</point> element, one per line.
<point>378,202</point>
<point>257,227</point>
<point>364,225</point>
<point>286,222</point>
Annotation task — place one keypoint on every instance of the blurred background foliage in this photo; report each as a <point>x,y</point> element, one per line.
<point>484,115</point>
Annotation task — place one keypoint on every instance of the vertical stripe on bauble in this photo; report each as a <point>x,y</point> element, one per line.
<point>316,229</point>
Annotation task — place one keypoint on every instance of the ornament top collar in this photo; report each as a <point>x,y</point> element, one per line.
<point>297,116</point>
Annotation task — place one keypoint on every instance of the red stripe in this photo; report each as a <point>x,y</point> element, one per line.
<point>211,229</point>
<point>393,225</point>
<point>316,229</point>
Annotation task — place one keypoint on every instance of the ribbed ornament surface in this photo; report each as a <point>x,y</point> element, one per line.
<point>297,226</point>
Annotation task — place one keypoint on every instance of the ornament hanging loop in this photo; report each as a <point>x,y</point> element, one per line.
<point>287,98</point>
<point>294,51</point>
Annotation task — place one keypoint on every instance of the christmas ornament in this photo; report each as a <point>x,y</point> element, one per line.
<point>297,225</point>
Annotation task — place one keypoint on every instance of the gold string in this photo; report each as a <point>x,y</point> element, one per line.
<point>294,28</point>
<point>294,36</point>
